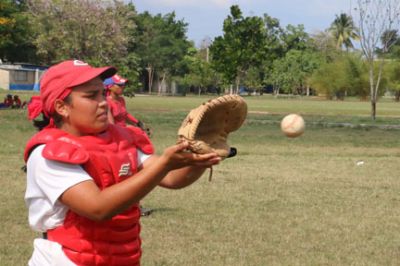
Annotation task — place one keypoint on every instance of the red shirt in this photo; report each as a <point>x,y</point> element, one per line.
<point>17,102</point>
<point>117,107</point>
<point>8,102</point>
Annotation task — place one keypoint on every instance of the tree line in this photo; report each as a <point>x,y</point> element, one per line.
<point>254,53</point>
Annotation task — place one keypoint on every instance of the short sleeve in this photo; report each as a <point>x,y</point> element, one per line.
<point>46,181</point>
<point>142,157</point>
<point>51,177</point>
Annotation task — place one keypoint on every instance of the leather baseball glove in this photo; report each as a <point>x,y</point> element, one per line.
<point>145,128</point>
<point>207,127</point>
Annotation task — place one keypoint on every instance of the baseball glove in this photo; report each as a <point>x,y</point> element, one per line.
<point>207,127</point>
<point>145,128</point>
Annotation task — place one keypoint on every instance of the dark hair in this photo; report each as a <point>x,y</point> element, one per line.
<point>40,124</point>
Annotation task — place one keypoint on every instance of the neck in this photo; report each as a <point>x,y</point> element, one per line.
<point>115,96</point>
<point>70,130</point>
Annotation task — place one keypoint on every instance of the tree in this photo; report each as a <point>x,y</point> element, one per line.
<point>241,46</point>
<point>296,62</point>
<point>254,79</point>
<point>290,73</point>
<point>274,48</point>
<point>162,45</point>
<point>146,32</point>
<point>295,38</point>
<point>393,40</point>
<point>343,30</point>
<point>375,19</point>
<point>324,44</point>
<point>345,75</point>
<point>200,75</point>
<point>95,31</point>
<point>274,43</point>
<point>355,73</point>
<point>393,70</point>
<point>330,79</point>
<point>15,33</point>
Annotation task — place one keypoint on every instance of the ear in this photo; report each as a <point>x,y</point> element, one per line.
<point>61,108</point>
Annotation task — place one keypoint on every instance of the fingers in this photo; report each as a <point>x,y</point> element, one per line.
<point>182,146</point>
<point>207,159</point>
<point>177,156</point>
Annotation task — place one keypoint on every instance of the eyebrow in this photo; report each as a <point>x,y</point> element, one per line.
<point>93,91</point>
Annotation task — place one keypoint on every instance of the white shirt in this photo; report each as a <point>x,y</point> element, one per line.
<point>46,181</point>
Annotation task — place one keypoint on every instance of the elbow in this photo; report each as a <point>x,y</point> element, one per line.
<point>173,186</point>
<point>98,214</point>
<point>100,217</point>
<point>176,184</point>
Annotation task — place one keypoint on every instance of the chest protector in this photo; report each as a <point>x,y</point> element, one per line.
<point>108,158</point>
<point>118,110</point>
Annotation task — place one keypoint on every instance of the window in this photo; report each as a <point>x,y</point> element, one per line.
<point>21,76</point>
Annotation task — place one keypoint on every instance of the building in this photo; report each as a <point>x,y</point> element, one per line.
<point>20,76</point>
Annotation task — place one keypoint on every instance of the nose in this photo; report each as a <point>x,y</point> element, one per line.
<point>103,103</point>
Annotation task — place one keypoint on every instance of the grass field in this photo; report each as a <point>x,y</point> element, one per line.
<point>303,201</point>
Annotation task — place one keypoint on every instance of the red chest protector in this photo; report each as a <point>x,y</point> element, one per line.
<point>118,110</point>
<point>108,158</point>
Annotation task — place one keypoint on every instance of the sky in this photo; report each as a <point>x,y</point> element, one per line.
<point>205,17</point>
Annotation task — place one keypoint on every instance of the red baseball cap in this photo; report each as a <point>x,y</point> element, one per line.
<point>114,80</point>
<point>59,79</point>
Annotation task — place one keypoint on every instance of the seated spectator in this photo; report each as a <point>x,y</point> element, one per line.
<point>18,103</point>
<point>8,102</point>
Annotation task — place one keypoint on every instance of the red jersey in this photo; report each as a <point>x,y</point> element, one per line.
<point>117,107</point>
<point>17,102</point>
<point>8,102</point>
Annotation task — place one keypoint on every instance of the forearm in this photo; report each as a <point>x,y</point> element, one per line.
<point>103,204</point>
<point>183,177</point>
<point>131,119</point>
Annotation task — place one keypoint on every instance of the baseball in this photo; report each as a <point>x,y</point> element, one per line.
<point>292,125</point>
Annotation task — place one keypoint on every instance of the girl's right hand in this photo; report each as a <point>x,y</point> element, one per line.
<point>177,156</point>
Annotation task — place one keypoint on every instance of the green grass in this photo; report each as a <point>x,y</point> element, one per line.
<point>281,201</point>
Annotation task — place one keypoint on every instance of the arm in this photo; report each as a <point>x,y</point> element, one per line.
<point>88,200</point>
<point>131,119</point>
<point>110,117</point>
<point>178,178</point>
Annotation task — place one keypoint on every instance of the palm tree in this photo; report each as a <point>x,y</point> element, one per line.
<point>344,30</point>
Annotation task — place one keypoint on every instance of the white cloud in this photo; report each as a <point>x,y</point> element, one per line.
<point>321,8</point>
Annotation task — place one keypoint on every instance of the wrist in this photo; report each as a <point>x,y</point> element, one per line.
<point>164,163</point>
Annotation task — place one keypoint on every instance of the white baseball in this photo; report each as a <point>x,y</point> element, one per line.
<point>293,125</point>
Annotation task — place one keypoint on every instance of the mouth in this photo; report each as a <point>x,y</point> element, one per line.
<point>102,116</point>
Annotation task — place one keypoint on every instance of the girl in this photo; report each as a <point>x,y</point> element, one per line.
<point>85,176</point>
<point>117,108</point>
<point>117,113</point>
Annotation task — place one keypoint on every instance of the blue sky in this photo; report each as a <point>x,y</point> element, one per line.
<point>205,17</point>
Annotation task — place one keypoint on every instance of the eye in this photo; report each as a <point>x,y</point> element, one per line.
<point>91,95</point>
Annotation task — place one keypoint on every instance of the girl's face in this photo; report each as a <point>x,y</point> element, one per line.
<point>117,89</point>
<point>87,112</point>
